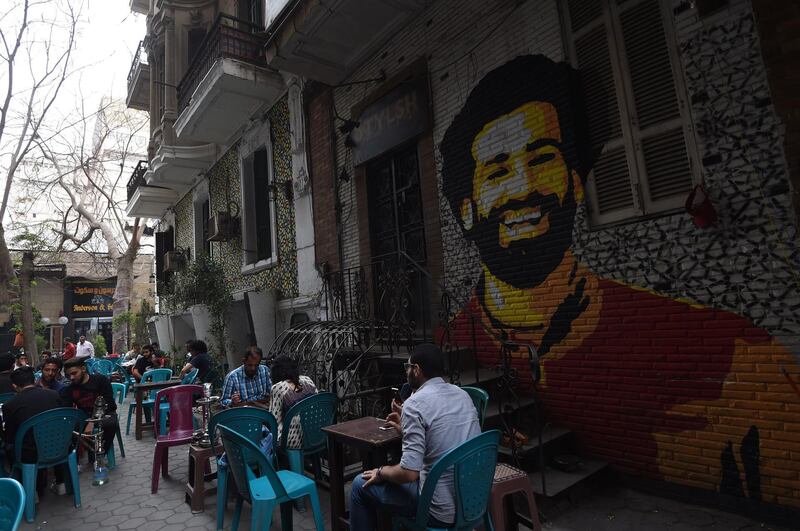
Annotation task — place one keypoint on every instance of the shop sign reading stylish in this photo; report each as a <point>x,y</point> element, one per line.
<point>398,116</point>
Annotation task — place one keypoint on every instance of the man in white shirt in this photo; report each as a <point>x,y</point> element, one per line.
<point>85,349</point>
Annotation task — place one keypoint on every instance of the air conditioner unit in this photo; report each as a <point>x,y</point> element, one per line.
<point>173,261</point>
<point>222,227</point>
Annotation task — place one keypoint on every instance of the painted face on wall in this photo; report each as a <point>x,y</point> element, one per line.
<point>524,195</point>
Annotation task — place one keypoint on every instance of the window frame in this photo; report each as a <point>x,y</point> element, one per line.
<point>631,137</point>
<point>255,140</point>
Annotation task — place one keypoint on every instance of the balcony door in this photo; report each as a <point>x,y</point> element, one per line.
<point>397,226</point>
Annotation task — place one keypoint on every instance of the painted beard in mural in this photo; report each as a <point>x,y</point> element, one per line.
<point>526,262</point>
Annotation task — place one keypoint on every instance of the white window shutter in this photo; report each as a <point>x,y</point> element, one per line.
<point>664,169</point>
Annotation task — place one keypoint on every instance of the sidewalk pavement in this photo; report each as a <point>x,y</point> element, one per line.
<point>126,503</point>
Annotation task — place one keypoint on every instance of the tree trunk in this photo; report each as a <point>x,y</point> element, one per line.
<point>7,273</point>
<point>26,299</point>
<point>122,300</point>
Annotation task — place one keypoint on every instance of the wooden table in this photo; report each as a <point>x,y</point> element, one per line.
<point>199,474</point>
<point>140,389</point>
<point>362,434</point>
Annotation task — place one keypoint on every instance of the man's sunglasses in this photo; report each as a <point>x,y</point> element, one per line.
<point>407,366</point>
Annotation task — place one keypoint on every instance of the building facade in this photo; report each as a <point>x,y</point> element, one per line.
<point>225,172</point>
<point>602,181</point>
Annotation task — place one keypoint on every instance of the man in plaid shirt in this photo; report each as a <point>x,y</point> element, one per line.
<point>250,383</point>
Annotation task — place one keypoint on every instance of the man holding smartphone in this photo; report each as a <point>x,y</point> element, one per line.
<point>436,418</point>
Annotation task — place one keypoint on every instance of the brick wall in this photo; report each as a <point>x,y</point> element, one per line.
<point>323,176</point>
<point>662,343</point>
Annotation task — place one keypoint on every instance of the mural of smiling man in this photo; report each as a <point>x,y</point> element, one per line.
<point>662,388</point>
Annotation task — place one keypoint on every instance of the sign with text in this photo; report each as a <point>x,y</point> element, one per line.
<point>394,118</point>
<point>92,298</point>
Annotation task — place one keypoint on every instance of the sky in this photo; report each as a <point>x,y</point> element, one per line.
<point>108,36</point>
<point>105,50</point>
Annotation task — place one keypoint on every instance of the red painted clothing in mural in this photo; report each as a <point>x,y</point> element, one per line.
<point>620,383</point>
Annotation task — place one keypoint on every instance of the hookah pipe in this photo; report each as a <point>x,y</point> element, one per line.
<point>96,438</point>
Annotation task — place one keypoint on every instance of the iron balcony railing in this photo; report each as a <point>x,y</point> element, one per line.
<point>139,58</point>
<point>229,37</point>
<point>137,177</point>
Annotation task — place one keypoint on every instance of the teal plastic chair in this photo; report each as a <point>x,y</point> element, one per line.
<point>52,432</point>
<point>480,398</point>
<point>246,421</point>
<point>103,367</point>
<point>153,375</point>
<point>12,502</point>
<point>120,392</point>
<point>473,463</point>
<point>190,377</point>
<point>5,397</point>
<point>264,487</point>
<point>315,412</point>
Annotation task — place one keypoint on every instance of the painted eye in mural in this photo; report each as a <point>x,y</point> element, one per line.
<point>541,159</point>
<point>497,173</point>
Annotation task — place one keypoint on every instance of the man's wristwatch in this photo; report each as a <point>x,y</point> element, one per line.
<point>379,472</point>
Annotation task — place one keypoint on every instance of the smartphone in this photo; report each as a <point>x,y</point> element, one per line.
<point>397,398</point>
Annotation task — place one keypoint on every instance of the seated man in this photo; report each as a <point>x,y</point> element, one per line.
<point>22,360</point>
<point>51,375</point>
<point>145,362</point>
<point>200,360</point>
<point>43,356</point>
<point>30,400</point>
<point>248,383</point>
<point>81,393</point>
<point>132,355</point>
<point>436,418</point>
<point>6,366</point>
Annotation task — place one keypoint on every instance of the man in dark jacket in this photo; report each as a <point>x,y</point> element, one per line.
<point>30,401</point>
<point>82,392</point>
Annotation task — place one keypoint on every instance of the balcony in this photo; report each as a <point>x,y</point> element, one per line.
<point>180,167</point>
<point>226,84</point>
<point>140,6</point>
<point>326,41</point>
<point>145,201</point>
<point>139,81</point>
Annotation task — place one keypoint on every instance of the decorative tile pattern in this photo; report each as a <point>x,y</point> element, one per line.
<point>224,188</point>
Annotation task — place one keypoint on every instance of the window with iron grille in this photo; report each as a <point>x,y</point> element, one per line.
<point>636,102</point>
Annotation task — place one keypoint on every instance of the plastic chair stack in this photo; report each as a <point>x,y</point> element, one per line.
<point>188,379</point>
<point>52,432</point>
<point>262,486</point>
<point>473,464</point>
<point>180,399</point>
<point>12,502</point>
<point>315,412</point>
<point>153,375</point>
<point>246,421</point>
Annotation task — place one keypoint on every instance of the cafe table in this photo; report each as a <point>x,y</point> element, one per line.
<point>140,389</point>
<point>363,434</point>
